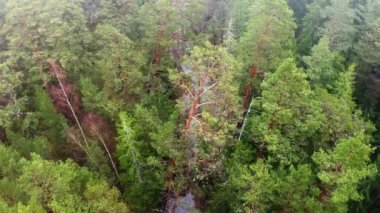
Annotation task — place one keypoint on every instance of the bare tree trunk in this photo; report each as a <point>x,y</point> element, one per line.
<point>245,119</point>
<point>54,68</point>
<point>108,152</point>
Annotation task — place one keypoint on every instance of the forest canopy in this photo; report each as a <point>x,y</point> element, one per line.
<point>189,106</point>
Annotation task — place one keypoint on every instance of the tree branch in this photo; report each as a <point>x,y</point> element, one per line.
<point>108,152</point>
<point>208,88</point>
<point>53,65</point>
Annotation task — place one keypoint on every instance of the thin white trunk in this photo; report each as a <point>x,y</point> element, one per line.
<point>72,110</point>
<point>108,152</point>
<point>245,119</point>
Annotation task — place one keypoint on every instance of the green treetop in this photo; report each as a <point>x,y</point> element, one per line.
<point>285,120</point>
<point>369,42</point>
<point>269,35</point>
<point>39,185</point>
<point>323,66</point>
<point>340,28</point>
<point>210,106</point>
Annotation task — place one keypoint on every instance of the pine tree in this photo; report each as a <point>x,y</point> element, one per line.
<point>368,45</point>
<point>41,31</point>
<point>287,136</point>
<point>269,36</point>
<point>342,169</point>
<point>38,33</point>
<point>43,185</point>
<point>10,103</point>
<point>219,21</point>
<point>240,14</point>
<point>323,66</point>
<point>210,108</point>
<point>118,66</point>
<point>312,22</point>
<point>299,9</point>
<point>340,28</point>
<point>285,121</point>
<point>150,102</point>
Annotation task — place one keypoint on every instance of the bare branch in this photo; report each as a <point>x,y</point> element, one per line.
<point>194,116</point>
<point>85,150</point>
<point>206,103</point>
<point>208,88</point>
<point>188,90</point>
<point>195,119</point>
<point>54,66</point>
<point>108,152</point>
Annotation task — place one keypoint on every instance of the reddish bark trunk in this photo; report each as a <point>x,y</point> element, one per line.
<point>323,194</point>
<point>196,102</point>
<point>157,50</point>
<point>249,87</point>
<point>192,111</point>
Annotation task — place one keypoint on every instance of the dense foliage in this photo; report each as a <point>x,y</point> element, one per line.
<point>189,105</point>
